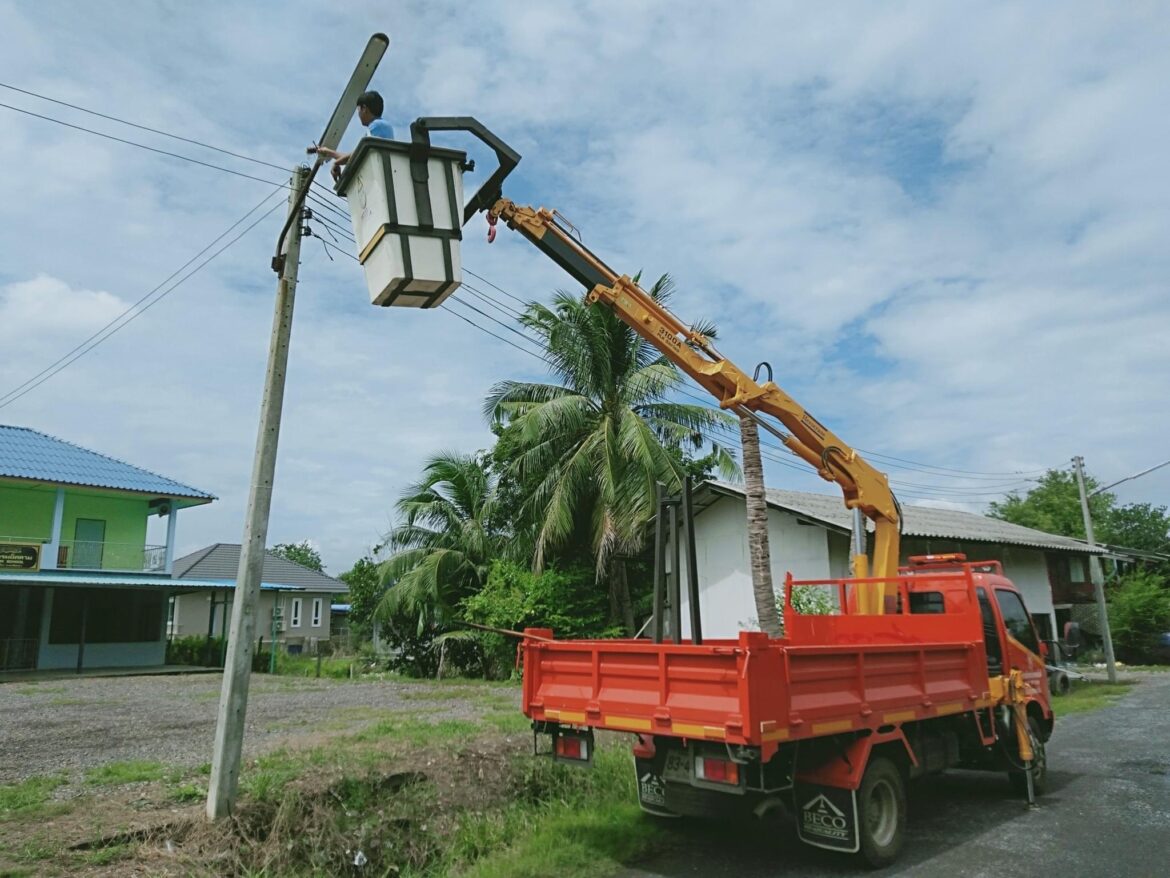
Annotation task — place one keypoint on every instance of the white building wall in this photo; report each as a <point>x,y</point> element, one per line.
<point>812,551</point>
<point>726,602</point>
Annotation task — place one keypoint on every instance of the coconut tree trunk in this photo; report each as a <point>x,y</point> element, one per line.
<point>621,608</point>
<point>757,529</point>
<point>442,661</point>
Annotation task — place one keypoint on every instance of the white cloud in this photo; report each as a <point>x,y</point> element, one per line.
<point>945,231</point>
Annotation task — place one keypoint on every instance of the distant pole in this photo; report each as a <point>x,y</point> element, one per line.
<point>1095,572</point>
<point>233,699</point>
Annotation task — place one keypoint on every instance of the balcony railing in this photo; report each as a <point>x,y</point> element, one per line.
<point>92,555</point>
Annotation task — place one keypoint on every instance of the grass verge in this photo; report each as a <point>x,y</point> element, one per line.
<point>28,798</point>
<point>133,771</point>
<point>1088,695</point>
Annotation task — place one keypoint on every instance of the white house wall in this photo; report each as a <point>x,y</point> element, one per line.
<point>812,551</point>
<point>726,602</point>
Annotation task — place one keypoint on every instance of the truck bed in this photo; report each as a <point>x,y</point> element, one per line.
<point>831,674</point>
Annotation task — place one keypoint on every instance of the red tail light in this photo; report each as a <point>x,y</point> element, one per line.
<point>717,771</point>
<point>572,747</point>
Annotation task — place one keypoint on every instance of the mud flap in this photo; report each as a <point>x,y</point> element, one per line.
<point>827,817</point>
<point>652,787</point>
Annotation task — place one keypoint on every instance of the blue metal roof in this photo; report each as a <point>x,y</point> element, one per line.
<point>113,580</point>
<point>28,454</point>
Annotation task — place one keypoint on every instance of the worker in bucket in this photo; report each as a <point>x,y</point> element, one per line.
<point>369,110</point>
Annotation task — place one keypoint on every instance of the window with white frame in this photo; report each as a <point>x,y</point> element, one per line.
<point>295,620</point>
<point>1076,569</point>
<point>316,612</point>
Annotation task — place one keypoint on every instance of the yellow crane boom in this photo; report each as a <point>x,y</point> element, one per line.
<point>864,488</point>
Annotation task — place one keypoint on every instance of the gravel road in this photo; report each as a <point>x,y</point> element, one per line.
<point>73,725</point>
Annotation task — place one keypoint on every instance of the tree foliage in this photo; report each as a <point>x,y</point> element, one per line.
<point>1139,526</point>
<point>366,589</point>
<point>1054,505</point>
<point>515,598</point>
<point>445,543</point>
<point>584,453</point>
<point>303,553</point>
<point>1139,614</point>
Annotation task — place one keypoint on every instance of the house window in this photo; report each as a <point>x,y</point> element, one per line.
<point>316,612</point>
<point>1076,569</point>
<point>295,621</point>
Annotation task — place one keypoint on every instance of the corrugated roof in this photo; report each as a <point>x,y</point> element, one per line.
<point>222,561</point>
<point>917,521</point>
<point>29,454</point>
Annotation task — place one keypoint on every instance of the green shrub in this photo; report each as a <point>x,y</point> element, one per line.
<point>195,650</point>
<point>1139,613</point>
<point>569,602</point>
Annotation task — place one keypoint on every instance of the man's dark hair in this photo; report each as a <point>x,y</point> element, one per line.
<point>372,101</point>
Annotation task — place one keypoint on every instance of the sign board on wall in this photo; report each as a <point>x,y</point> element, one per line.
<point>20,556</point>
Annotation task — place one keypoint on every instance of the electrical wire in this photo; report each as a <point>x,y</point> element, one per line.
<point>158,131</point>
<point>130,314</point>
<point>144,146</point>
<point>907,465</point>
<point>959,491</point>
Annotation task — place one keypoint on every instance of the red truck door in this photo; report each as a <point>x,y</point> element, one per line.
<point>1023,646</point>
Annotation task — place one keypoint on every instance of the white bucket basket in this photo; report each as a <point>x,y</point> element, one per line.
<point>407,219</point>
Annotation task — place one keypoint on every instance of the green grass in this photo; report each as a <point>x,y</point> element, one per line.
<point>189,792</point>
<point>509,721</point>
<point>133,771</point>
<point>1089,695</point>
<point>265,779</point>
<point>418,731</point>
<point>576,822</point>
<point>105,855</point>
<point>30,797</point>
<point>39,689</point>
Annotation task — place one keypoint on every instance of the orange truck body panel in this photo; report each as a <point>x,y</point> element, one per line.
<point>830,674</point>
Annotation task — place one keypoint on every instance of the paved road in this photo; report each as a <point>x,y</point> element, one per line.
<point>1107,813</point>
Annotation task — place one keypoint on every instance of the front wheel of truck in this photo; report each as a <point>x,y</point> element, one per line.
<point>881,812</point>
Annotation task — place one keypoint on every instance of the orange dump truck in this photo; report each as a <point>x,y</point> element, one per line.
<point>828,722</point>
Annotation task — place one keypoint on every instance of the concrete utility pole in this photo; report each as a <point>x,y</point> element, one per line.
<point>233,699</point>
<point>1095,572</point>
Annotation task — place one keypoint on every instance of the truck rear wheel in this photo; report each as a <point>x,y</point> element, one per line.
<point>881,812</point>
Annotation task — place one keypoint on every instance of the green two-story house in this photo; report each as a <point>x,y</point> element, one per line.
<point>80,587</point>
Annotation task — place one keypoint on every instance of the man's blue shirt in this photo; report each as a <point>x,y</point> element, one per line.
<point>381,128</point>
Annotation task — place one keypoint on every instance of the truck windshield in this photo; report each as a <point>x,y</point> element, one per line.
<point>1015,619</point>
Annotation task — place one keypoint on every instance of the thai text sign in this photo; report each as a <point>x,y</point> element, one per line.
<point>20,556</point>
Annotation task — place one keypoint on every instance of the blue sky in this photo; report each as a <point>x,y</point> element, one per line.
<point>946,231</point>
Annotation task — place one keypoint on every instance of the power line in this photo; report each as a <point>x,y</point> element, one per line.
<point>492,334</point>
<point>142,146</point>
<point>123,319</point>
<point>193,142</point>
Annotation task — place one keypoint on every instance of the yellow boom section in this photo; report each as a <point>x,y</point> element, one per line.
<point>864,487</point>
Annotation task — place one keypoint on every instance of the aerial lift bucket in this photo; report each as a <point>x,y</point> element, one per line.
<point>406,204</point>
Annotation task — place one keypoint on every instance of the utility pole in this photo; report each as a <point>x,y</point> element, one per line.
<point>233,699</point>
<point>1095,571</point>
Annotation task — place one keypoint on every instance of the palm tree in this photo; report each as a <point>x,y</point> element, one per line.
<point>589,450</point>
<point>757,531</point>
<point>445,542</point>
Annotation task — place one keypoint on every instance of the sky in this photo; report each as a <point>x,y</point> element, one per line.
<point>944,228</point>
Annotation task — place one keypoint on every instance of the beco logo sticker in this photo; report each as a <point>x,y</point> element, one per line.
<point>821,817</point>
